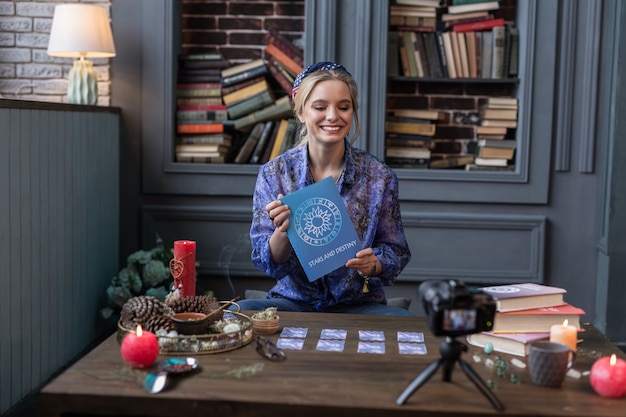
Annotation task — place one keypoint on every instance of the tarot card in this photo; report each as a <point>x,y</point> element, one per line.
<point>412,348</point>
<point>339,334</point>
<point>299,332</point>
<point>330,345</point>
<point>371,335</point>
<point>290,343</point>
<point>371,347</point>
<point>411,337</point>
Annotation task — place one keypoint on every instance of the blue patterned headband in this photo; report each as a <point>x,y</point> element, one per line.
<point>312,68</point>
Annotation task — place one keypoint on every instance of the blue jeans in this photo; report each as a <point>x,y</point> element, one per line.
<point>284,304</point>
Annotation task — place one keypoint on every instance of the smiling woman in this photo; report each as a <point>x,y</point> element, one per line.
<point>325,103</point>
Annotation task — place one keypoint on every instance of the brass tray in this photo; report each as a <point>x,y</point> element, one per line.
<point>202,344</point>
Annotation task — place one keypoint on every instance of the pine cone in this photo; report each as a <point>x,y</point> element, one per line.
<point>205,304</point>
<point>162,322</point>
<point>139,309</point>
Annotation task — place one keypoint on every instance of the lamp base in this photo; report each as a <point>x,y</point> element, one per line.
<point>83,86</point>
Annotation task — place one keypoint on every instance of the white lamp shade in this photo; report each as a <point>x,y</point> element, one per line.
<point>81,30</point>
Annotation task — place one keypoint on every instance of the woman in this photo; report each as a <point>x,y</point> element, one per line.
<point>325,102</point>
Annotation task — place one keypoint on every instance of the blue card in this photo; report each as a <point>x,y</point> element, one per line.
<point>320,229</point>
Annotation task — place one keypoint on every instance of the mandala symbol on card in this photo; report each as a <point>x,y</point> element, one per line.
<point>318,221</point>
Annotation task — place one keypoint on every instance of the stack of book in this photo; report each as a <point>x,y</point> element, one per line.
<point>245,88</point>
<point>200,112</point>
<point>465,41</point>
<point>408,136</point>
<point>284,60</point>
<point>525,313</point>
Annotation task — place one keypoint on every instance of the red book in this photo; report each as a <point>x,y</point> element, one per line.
<point>480,25</point>
<point>285,46</point>
<point>289,64</point>
<point>200,128</point>
<point>536,320</point>
<point>512,297</point>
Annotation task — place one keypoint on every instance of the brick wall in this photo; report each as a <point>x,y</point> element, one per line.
<point>26,70</point>
<point>236,28</point>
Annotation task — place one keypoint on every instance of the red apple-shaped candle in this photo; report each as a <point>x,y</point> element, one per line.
<point>608,377</point>
<point>140,349</point>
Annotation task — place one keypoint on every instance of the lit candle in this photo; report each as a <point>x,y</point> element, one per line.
<point>564,334</point>
<point>183,267</point>
<point>140,349</point>
<point>608,377</point>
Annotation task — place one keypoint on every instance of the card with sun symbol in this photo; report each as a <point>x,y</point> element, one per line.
<point>320,229</point>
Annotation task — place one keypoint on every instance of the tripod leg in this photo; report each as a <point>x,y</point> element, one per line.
<point>480,384</point>
<point>418,381</point>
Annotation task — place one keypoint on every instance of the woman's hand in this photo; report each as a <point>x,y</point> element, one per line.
<point>365,263</point>
<point>278,213</point>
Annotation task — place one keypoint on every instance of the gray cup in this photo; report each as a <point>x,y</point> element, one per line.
<point>548,363</point>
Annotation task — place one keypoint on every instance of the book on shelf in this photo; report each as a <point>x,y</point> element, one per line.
<point>514,52</point>
<point>493,113</point>
<point>472,7</point>
<point>416,23</point>
<point>412,163</point>
<point>259,149</point>
<point>448,146</point>
<point>456,55</point>
<point>216,115</point>
<point>210,127</point>
<point>242,72</point>
<point>410,128</point>
<point>270,144</point>
<point>516,344</point>
<point>209,138</point>
<point>393,54</point>
<point>275,38</point>
<point>240,85</point>
<point>426,3</point>
<point>285,60</point>
<point>183,101</point>
<point>420,114</point>
<point>208,159</point>
<point>420,54</point>
<point>432,54</point>
<point>201,107</point>
<point>487,152</point>
<point>243,155</point>
<point>196,77</point>
<point>478,25</point>
<point>253,103</point>
<point>450,19</point>
<point>203,148</point>
<point>409,48</point>
<point>279,109</point>
<point>491,162</point>
<point>498,103</point>
<point>497,51</point>
<point>245,93</point>
<point>499,122</point>
<point>280,138</point>
<point>404,60</point>
<point>290,135</point>
<point>502,168</point>
<point>536,320</point>
<point>417,11</point>
<point>463,55</point>
<point>198,90</point>
<point>524,296</point>
<point>470,42</point>
<point>208,56</point>
<point>497,143</point>
<point>486,56</point>
<point>278,73</point>
<point>407,152</point>
<point>452,162</point>
<point>449,54</point>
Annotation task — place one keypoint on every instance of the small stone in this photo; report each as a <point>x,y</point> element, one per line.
<point>518,363</point>
<point>476,358</point>
<point>489,363</point>
<point>491,383</point>
<point>515,378</point>
<point>488,348</point>
<point>573,373</point>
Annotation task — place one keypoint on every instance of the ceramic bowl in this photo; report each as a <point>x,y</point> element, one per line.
<point>191,323</point>
<point>265,326</point>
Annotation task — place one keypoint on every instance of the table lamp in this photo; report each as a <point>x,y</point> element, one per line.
<point>81,31</point>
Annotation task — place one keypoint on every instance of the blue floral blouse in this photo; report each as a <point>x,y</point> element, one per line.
<point>369,190</point>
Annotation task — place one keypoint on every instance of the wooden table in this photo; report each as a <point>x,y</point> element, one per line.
<point>317,383</point>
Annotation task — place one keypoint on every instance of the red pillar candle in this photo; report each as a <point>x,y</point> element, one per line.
<point>608,377</point>
<point>183,267</point>
<point>140,349</point>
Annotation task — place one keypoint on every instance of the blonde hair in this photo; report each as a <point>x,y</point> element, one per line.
<point>306,87</point>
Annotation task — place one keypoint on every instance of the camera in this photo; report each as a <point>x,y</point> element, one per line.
<point>454,309</point>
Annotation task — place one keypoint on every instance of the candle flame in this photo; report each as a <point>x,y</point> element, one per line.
<point>565,323</point>
<point>613,360</point>
<point>139,331</point>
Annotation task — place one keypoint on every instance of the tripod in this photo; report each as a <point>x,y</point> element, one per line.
<point>450,350</point>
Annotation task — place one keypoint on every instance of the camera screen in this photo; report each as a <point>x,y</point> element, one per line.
<point>459,320</point>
